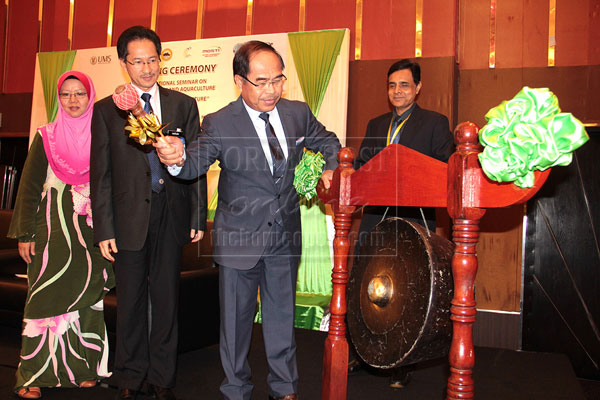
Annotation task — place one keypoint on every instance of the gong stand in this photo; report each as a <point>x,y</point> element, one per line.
<point>399,176</point>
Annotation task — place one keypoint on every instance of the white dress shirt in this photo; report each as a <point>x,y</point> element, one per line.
<point>260,128</point>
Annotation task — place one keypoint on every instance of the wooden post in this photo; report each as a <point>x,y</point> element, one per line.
<point>335,355</point>
<point>461,194</point>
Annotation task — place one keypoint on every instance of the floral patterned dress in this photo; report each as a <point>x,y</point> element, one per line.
<point>64,338</point>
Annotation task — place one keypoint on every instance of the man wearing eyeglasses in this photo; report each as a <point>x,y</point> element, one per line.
<point>142,219</point>
<point>258,139</point>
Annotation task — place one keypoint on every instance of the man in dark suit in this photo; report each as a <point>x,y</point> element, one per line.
<point>142,219</point>
<point>408,124</point>
<point>258,139</point>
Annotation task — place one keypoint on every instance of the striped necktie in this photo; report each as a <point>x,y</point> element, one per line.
<point>157,181</point>
<point>395,124</point>
<point>276,151</point>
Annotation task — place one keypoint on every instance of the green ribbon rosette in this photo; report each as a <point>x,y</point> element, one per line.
<point>528,133</point>
<point>307,174</point>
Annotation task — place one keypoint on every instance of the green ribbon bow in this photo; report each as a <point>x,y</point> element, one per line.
<point>528,133</point>
<point>307,174</point>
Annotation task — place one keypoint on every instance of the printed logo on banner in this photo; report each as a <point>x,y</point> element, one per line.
<point>187,52</point>
<point>211,51</point>
<point>100,60</point>
<point>166,54</point>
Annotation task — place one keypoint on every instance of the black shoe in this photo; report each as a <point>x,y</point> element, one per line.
<point>161,393</point>
<point>400,377</point>
<point>126,394</point>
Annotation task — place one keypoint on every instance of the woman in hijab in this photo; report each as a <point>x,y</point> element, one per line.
<point>64,341</point>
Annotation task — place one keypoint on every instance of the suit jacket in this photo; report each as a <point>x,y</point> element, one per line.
<point>120,177</point>
<point>248,196</point>
<point>427,132</point>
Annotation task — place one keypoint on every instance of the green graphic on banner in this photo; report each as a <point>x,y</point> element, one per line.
<point>315,54</point>
<point>53,65</point>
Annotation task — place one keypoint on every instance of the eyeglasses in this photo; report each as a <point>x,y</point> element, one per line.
<point>139,63</point>
<point>67,95</point>
<point>262,84</point>
<point>401,85</point>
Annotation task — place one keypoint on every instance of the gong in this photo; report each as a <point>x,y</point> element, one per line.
<point>399,295</point>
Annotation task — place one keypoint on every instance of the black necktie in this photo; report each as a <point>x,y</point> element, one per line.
<point>395,124</point>
<point>276,151</point>
<point>147,105</point>
<point>155,168</point>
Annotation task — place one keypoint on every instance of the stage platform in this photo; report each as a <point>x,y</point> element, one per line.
<point>499,374</point>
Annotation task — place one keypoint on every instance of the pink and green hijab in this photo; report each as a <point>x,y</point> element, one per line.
<point>67,140</point>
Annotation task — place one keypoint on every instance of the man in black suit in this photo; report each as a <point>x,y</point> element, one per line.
<point>408,124</point>
<point>142,219</point>
<point>258,139</point>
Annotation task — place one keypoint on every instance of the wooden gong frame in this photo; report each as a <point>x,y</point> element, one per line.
<point>399,176</point>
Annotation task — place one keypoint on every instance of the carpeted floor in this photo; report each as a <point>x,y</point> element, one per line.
<point>499,374</point>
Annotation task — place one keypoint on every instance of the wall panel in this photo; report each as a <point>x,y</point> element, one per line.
<point>509,34</point>
<point>388,30</point>
<point>273,16</point>
<point>480,90</point>
<point>498,281</point>
<point>522,33</point>
<point>439,28</point>
<point>535,33</point>
<point>577,89</point>
<point>224,18</point>
<point>592,111</point>
<point>562,81</point>
<point>2,42</point>
<point>332,14</point>
<point>90,24</point>
<point>594,33</point>
<point>16,113</point>
<point>22,46</point>
<point>176,19</point>
<point>129,13</point>
<point>473,37</point>
<point>55,24</point>
<point>367,80</point>
<point>572,24</point>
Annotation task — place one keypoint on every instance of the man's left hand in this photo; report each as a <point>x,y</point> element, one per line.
<point>326,177</point>
<point>196,235</point>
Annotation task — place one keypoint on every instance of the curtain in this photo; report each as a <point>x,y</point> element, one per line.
<point>315,54</point>
<point>53,65</point>
<point>314,273</point>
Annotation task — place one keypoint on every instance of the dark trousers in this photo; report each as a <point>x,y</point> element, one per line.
<point>276,274</point>
<point>151,275</point>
